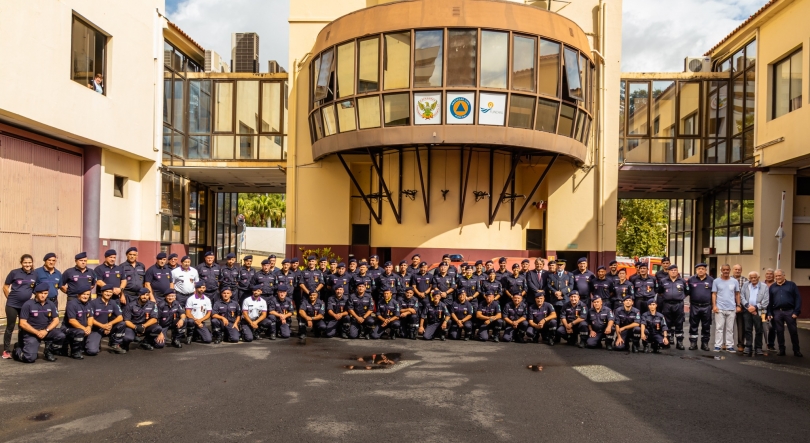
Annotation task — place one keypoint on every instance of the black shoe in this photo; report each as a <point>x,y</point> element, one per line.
<point>633,349</point>
<point>77,355</point>
<point>117,349</point>
<point>495,339</point>
<point>217,339</point>
<point>781,353</point>
<point>392,336</point>
<point>177,344</point>
<point>49,355</point>
<point>771,347</point>
<point>343,335</point>
<point>188,339</point>
<point>647,348</point>
<point>609,345</point>
<point>466,338</point>
<point>551,342</point>
<point>302,336</point>
<point>147,347</point>
<point>679,346</point>
<point>367,336</point>
<point>272,337</point>
<point>704,347</point>
<point>797,354</point>
<point>693,346</point>
<point>441,337</point>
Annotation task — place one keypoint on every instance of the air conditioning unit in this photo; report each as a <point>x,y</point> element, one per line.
<point>697,64</point>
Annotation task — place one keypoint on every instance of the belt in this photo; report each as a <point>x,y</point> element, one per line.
<point>785,309</point>
<point>674,302</point>
<point>185,294</point>
<point>701,305</point>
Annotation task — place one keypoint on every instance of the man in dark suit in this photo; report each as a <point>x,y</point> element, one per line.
<point>536,280</point>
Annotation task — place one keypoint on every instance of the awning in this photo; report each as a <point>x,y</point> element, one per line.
<point>237,179</point>
<point>655,180</point>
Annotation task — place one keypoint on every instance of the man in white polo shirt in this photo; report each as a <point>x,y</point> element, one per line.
<point>184,278</point>
<point>726,304</point>
<point>198,312</point>
<point>254,315</point>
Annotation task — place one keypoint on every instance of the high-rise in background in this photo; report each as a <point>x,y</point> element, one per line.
<point>245,52</point>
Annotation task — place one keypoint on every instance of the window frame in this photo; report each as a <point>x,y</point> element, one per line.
<point>774,67</point>
<point>75,17</point>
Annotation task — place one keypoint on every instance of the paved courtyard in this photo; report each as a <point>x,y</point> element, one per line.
<point>435,391</point>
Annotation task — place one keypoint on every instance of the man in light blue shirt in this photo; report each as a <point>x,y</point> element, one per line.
<point>726,304</point>
<point>50,275</point>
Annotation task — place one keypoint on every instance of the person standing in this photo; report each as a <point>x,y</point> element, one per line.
<point>785,306</point>
<point>754,298</point>
<point>50,275</point>
<point>645,287</point>
<point>739,322</point>
<point>726,304</point>
<point>700,307</point>
<point>210,274</point>
<point>769,328</point>
<point>673,291</point>
<point>244,277</point>
<point>229,275</point>
<point>108,273</point>
<point>77,276</point>
<point>559,287</point>
<point>184,278</point>
<point>158,278</point>
<point>583,280</point>
<point>134,273</point>
<point>18,289</point>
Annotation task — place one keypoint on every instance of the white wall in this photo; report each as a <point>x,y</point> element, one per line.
<point>265,239</point>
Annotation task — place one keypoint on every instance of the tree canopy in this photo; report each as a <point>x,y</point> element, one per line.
<point>642,228</point>
<point>263,210</point>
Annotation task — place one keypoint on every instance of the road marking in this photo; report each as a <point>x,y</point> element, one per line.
<point>80,426</point>
<point>600,374</point>
<point>394,368</point>
<point>776,367</point>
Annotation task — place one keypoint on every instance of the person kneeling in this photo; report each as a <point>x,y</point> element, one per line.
<point>198,312</point>
<point>627,320</point>
<point>225,318</point>
<point>387,317</point>
<point>574,321</point>
<point>542,320</point>
<point>38,320</point>
<point>171,318</point>
<point>78,323</point>
<point>310,316</point>
<point>254,316</point>
<point>434,318</point>
<point>654,328</point>
<point>514,315</point>
<point>461,314</point>
<point>141,321</point>
<point>600,325</point>
<point>489,318</point>
<point>108,320</point>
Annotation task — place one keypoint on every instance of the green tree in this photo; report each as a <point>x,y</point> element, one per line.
<point>258,209</point>
<point>642,228</point>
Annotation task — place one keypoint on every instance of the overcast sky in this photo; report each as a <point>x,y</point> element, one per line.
<point>656,34</point>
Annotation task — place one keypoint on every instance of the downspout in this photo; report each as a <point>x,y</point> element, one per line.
<point>600,133</point>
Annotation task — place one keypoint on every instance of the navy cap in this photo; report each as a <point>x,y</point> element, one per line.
<point>132,249</point>
<point>672,267</point>
<point>265,262</point>
<point>525,260</point>
<point>324,259</point>
<point>374,256</point>
<point>403,262</point>
<point>312,257</point>
<point>108,288</point>
<point>479,262</point>
<point>80,256</point>
<point>465,265</point>
<point>489,271</point>
<point>230,256</point>
<point>541,294</point>
<point>271,256</point>
<point>143,291</point>
<point>415,256</point>
<point>502,260</point>
<point>641,265</point>
<point>282,288</point>
<point>408,288</point>
<point>199,284</point>
<point>700,265</point>
<point>423,264</point>
<point>651,301</point>
<point>172,255</point>
<point>490,292</point>
<point>247,257</point>
<point>352,260</point>
<point>462,291</point>
<point>613,262</point>
<point>185,257</point>
<point>160,256</point>
<point>582,260</point>
<point>285,261</point>
<point>332,261</point>
<point>601,268</point>
<point>574,292</point>
<point>437,292</point>
<point>341,265</point>
<point>171,292</point>
<point>42,287</point>
<point>665,259</point>
<point>488,262</point>
<point>515,266</point>
<point>294,260</point>
<point>362,263</point>
<point>255,287</point>
<point>48,256</point>
<point>226,289</point>
<point>443,264</point>
<point>110,252</point>
<point>445,256</point>
<point>360,283</point>
<point>209,254</point>
<point>388,263</point>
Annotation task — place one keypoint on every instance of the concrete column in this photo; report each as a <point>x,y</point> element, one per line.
<point>91,201</point>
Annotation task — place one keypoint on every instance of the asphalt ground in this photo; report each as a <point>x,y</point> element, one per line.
<point>452,391</point>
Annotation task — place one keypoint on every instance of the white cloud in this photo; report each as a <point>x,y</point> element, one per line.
<point>211,22</point>
<point>658,34</point>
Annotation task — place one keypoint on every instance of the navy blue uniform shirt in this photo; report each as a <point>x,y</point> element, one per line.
<point>435,313</point>
<point>229,310</point>
<point>104,313</point>
<point>673,291</point>
<point>21,285</point>
<point>169,314</point>
<point>138,314</point>
<point>75,278</point>
<point>160,278</point>
<point>39,316</point>
<point>134,275</point>
<point>623,317</point>
<point>785,297</point>
<point>599,319</point>
<point>700,291</point>
<point>76,310</point>
<point>110,275</point>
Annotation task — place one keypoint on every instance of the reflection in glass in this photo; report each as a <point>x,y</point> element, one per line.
<point>689,150</point>
<point>578,126</point>
<point>736,149</point>
<point>638,150</point>
<point>369,65</point>
<point>549,67</point>
<point>345,70</point>
<point>737,105</point>
<point>520,111</point>
<point>368,109</point>
<point>583,78</point>
<point>318,120</point>
<point>566,125</point>
<point>329,123</point>
<point>662,151</point>
<point>572,74</point>
<point>177,144</point>
<point>271,107</point>
<point>397,110</point>
<point>738,61</point>
<point>462,49</point>
<point>247,107</point>
<point>750,94</point>
<point>751,54</point>
<point>546,115</point>
<point>270,147</point>
<point>167,97</point>
<point>637,108</point>
<point>223,147</point>
<point>324,74</point>
<point>177,115</point>
<point>494,54</point>
<point>247,147</point>
<point>199,106</point>
<point>663,112</point>
<point>523,61</point>
<point>345,115</point>
<point>199,147</point>
<point>397,61</point>
<point>689,107</point>
<point>734,240</point>
<point>427,65</point>
<point>224,107</point>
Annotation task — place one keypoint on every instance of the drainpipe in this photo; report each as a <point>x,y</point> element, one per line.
<point>91,201</point>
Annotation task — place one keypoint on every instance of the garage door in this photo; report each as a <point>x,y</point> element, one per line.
<point>40,205</point>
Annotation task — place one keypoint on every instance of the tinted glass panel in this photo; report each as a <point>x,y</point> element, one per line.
<point>247,107</point>
<point>224,107</point>
<point>521,108</point>
<point>566,124</point>
<point>461,57</point>
<point>345,114</point>
<point>427,65</point>
<point>663,113</point>
<point>523,63</point>
<point>199,106</point>
<point>369,112</point>
<point>369,65</point>
<point>494,54</point>
<point>637,104</point>
<point>271,107</point>
<point>329,122</point>
<point>549,67</point>
<point>546,115</point>
<point>324,74</point>
<point>689,107</point>
<point>397,61</point>
<point>345,69</point>
<point>572,74</point>
<point>397,110</point>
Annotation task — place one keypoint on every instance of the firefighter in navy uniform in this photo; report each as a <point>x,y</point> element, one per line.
<point>77,323</point>
<point>470,284</point>
<point>445,284</point>
<point>622,289</point>
<point>387,316</point>
<point>225,316</point>
<point>513,285</point>
<point>409,312</point>
<point>574,321</point>
<point>339,278</point>
<point>141,322</point>
<point>560,285</point>
<point>663,273</point>
<point>542,321</point>
<point>413,268</point>
<point>39,319</point>
<point>309,280</point>
<point>171,318</point>
<point>311,315</point>
<point>280,313</point>
<point>627,321</point>
<point>210,274</point>
<point>491,284</point>
<point>229,275</point>
<point>361,311</point>
<point>337,314</point>
<point>435,317</point>
<point>286,274</point>
<point>613,271</point>
<point>654,329</point>
<point>77,277</point>
<point>700,307</point>
<point>268,281</point>
<point>108,273</point>
<point>461,316</point>
<point>502,272</point>
<point>421,283</point>
<point>583,280</point>
<point>603,288</point>
<point>404,279</point>
<point>134,272</point>
<point>243,279</point>
<point>645,288</point>
<point>108,320</point>
<point>673,291</point>
<point>362,277</point>
<point>158,278</point>
<point>387,280</point>
<point>600,325</point>
<point>488,317</point>
<point>514,317</point>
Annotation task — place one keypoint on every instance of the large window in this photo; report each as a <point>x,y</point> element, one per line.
<point>462,57</point>
<point>731,209</point>
<point>787,84</point>
<point>88,56</point>
<point>549,67</point>
<point>680,233</point>
<point>397,61</point>
<point>226,212</point>
<point>740,94</point>
<point>524,59</point>
<point>171,209</point>
<point>197,221</point>
<point>494,55</point>
<point>427,65</point>
<point>175,66</point>
<point>368,79</point>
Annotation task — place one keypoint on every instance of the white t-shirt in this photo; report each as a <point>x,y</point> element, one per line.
<point>253,307</point>
<point>199,307</point>
<point>184,280</point>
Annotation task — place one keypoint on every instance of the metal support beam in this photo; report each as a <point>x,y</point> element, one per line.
<point>464,181</point>
<point>425,196</point>
<point>534,189</point>
<point>399,188</point>
<point>360,190</point>
<point>515,160</point>
<point>491,169</point>
<point>379,185</point>
<point>378,167</point>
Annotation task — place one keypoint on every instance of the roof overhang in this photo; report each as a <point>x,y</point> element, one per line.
<point>662,181</point>
<point>271,178</point>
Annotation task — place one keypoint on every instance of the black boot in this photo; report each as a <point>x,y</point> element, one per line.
<point>582,339</point>
<point>414,332</point>
<point>656,348</point>
<point>189,334</point>
<point>50,351</point>
<point>609,344</point>
<point>495,334</point>
<point>77,351</point>
<point>117,349</point>
<point>392,333</point>
<point>257,334</point>
<point>693,346</point>
<point>647,348</point>
<point>704,346</point>
<point>146,346</point>
<point>176,343</point>
<point>636,347</point>
<point>441,334</point>
<point>217,337</point>
<point>679,345</point>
